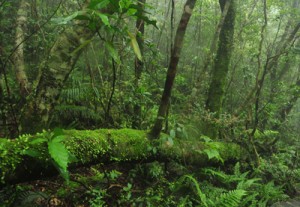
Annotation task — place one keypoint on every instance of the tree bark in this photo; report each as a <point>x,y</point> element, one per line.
<point>172,69</point>
<point>221,67</point>
<point>18,56</point>
<point>213,46</point>
<point>63,56</point>
<point>140,27</point>
<point>105,146</point>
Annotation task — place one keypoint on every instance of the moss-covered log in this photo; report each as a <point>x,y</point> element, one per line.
<point>103,146</point>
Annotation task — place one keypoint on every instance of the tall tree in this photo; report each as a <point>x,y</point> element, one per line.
<point>18,56</point>
<point>172,68</point>
<point>221,65</point>
<point>36,113</point>
<point>140,27</point>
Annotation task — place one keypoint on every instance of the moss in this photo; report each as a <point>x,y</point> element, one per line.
<point>89,145</point>
<point>86,145</point>
<point>193,151</point>
<point>134,141</point>
<point>98,146</point>
<point>11,154</point>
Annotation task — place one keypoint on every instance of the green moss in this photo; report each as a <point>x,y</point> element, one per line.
<point>86,145</point>
<point>10,154</point>
<point>98,146</point>
<point>134,141</point>
<point>193,151</point>
<point>89,145</point>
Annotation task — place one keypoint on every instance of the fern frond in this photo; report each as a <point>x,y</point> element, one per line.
<point>250,200</point>
<point>246,184</point>
<point>215,173</point>
<point>231,199</point>
<point>201,195</point>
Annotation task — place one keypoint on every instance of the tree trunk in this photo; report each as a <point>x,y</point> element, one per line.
<point>283,46</point>
<point>63,56</point>
<point>18,56</point>
<point>221,67</point>
<point>104,146</point>
<point>172,69</point>
<point>140,27</point>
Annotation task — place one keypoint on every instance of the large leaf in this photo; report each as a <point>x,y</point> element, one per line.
<point>135,46</point>
<point>65,20</point>
<point>58,152</point>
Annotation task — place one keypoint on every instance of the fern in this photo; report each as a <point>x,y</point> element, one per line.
<point>269,193</point>
<point>202,196</point>
<point>250,200</point>
<point>216,173</point>
<point>246,184</point>
<point>230,199</point>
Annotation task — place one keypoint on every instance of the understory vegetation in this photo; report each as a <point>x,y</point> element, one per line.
<point>149,103</point>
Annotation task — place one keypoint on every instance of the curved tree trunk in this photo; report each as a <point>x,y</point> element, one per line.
<point>172,69</point>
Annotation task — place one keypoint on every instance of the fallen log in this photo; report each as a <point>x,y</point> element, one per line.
<point>105,146</point>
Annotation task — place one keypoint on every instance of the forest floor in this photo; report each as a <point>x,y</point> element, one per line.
<point>115,184</point>
<point>88,186</point>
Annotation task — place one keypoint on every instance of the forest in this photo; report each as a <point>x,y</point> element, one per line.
<point>150,103</point>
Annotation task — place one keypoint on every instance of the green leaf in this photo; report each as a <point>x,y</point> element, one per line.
<point>65,20</point>
<point>131,11</point>
<point>32,153</point>
<point>39,140</point>
<point>128,187</point>
<point>59,153</point>
<point>81,46</point>
<point>104,18</point>
<point>124,4</point>
<point>63,172</point>
<point>213,153</point>
<point>57,132</point>
<point>172,133</point>
<point>112,52</point>
<point>58,139</point>
<point>170,141</point>
<point>135,46</point>
<point>98,4</point>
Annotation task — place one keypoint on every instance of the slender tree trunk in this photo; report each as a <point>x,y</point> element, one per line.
<point>18,56</point>
<point>140,27</point>
<point>221,66</point>
<point>2,107</point>
<point>172,69</point>
<point>282,48</point>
